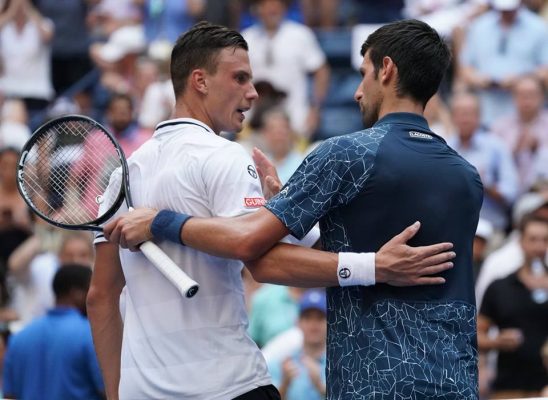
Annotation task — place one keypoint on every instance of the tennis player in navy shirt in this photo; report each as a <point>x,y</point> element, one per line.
<point>384,342</point>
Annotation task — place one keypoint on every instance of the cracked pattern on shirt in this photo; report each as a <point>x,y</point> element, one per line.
<point>330,176</point>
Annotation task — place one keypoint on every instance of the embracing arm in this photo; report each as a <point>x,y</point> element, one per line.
<point>250,238</point>
<point>103,306</point>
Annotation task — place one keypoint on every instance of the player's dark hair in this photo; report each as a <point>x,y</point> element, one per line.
<point>421,55</point>
<point>71,276</point>
<point>199,48</point>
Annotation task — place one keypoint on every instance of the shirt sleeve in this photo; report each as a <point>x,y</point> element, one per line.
<point>231,182</point>
<point>331,176</point>
<point>109,198</point>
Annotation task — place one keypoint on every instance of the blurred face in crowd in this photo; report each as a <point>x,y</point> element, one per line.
<point>120,114</point>
<point>465,114</point>
<point>271,13</point>
<point>76,250</point>
<point>369,95</point>
<point>313,324</point>
<point>277,134</point>
<point>528,97</point>
<point>534,240</point>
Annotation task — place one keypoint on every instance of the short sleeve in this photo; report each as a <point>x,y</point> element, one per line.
<point>231,182</point>
<point>329,177</point>
<point>109,198</point>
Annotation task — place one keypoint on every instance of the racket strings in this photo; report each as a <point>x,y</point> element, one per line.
<point>68,170</point>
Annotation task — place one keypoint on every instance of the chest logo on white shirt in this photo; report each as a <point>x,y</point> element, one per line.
<point>251,171</point>
<point>254,202</point>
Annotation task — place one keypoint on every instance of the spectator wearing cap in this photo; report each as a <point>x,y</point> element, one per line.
<point>500,46</point>
<point>508,258</point>
<point>117,58</point>
<point>302,375</point>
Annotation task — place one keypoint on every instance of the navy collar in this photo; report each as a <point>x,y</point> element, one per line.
<point>404,118</point>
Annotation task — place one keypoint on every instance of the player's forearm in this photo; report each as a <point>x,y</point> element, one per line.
<point>290,265</point>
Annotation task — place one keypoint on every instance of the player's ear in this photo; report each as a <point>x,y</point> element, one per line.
<point>198,80</point>
<point>388,71</point>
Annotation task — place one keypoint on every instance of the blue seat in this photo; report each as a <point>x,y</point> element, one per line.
<point>336,121</point>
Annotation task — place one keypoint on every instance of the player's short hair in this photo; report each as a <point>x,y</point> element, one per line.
<point>71,276</point>
<point>199,48</point>
<point>421,55</point>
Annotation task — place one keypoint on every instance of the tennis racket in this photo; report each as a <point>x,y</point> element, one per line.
<point>73,173</point>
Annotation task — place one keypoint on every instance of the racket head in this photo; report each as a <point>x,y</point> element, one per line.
<point>64,171</point>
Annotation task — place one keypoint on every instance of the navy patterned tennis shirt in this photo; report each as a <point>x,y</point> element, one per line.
<point>389,342</point>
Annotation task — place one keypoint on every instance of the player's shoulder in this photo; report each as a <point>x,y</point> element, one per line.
<point>352,144</point>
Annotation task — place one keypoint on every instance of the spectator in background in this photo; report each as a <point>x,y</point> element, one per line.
<point>323,14</point>
<point>279,143</point>
<point>500,46</point>
<point>13,208</point>
<point>120,121</point>
<point>158,101</point>
<point>110,15</point>
<point>274,309</point>
<point>14,129</point>
<point>489,155</point>
<point>25,38</point>
<point>438,116</point>
<point>525,131</point>
<point>53,357</point>
<point>69,56</point>
<point>302,375</point>
<point>167,19</point>
<point>34,263</point>
<point>508,258</point>
<point>512,305</point>
<point>117,60</point>
<point>284,53</point>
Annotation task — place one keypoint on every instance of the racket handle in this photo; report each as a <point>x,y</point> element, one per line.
<point>169,269</point>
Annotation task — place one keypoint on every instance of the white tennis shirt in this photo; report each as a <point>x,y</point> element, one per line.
<point>173,347</point>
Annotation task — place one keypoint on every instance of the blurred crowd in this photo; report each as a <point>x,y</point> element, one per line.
<point>109,59</point>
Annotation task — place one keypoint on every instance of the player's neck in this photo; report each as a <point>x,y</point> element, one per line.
<point>400,104</point>
<point>186,108</point>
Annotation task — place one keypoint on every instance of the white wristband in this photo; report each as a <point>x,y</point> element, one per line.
<point>356,269</point>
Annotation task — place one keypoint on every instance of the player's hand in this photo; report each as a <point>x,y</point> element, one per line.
<point>131,229</point>
<point>270,181</point>
<point>398,264</point>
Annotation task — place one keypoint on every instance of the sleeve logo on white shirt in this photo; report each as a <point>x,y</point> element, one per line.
<point>254,202</point>
<point>251,171</point>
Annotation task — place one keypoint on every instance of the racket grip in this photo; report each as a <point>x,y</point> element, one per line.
<point>169,269</point>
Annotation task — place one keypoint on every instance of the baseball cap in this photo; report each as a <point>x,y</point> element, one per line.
<point>123,41</point>
<point>505,5</point>
<point>313,299</point>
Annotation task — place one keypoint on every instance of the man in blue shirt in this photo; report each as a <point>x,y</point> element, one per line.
<point>383,342</point>
<point>53,357</point>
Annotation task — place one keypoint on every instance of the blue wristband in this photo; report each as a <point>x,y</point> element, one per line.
<point>167,225</point>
